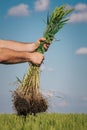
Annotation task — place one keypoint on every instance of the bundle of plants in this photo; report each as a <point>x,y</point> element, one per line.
<point>27,98</point>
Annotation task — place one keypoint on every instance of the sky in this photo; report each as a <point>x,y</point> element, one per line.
<point>64,72</point>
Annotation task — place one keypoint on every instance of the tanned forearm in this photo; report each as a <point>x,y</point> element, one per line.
<point>9,56</point>
<point>18,46</point>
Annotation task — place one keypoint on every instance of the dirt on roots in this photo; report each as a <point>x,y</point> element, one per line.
<point>29,104</point>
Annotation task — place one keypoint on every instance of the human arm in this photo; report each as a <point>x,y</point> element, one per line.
<point>13,52</point>
<point>21,46</point>
<point>9,56</point>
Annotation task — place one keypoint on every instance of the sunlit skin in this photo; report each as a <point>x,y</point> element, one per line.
<point>13,52</point>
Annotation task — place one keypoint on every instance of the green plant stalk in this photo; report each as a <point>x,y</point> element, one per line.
<point>31,82</point>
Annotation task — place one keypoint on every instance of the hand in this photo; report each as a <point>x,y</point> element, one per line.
<point>36,44</point>
<point>36,58</point>
<point>46,46</point>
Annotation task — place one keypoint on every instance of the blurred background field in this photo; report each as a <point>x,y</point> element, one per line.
<point>44,121</point>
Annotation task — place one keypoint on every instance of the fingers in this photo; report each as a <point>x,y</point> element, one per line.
<point>46,46</point>
<point>37,43</point>
<point>40,61</point>
<point>42,39</point>
<point>37,58</point>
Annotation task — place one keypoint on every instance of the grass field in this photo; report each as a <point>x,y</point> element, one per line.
<point>44,121</point>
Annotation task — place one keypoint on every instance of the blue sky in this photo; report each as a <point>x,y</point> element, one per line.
<point>64,72</point>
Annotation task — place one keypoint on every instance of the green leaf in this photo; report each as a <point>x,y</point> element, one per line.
<point>48,18</point>
<point>18,80</point>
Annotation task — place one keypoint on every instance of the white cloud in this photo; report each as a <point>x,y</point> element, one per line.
<point>55,94</point>
<point>41,5</point>
<point>80,15</point>
<point>19,10</point>
<point>48,93</point>
<point>81,50</point>
<point>81,7</point>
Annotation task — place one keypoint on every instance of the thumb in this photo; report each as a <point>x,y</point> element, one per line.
<point>40,40</point>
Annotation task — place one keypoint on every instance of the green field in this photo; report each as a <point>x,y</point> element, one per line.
<point>44,121</point>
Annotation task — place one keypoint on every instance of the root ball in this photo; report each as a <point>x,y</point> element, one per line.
<point>29,104</point>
